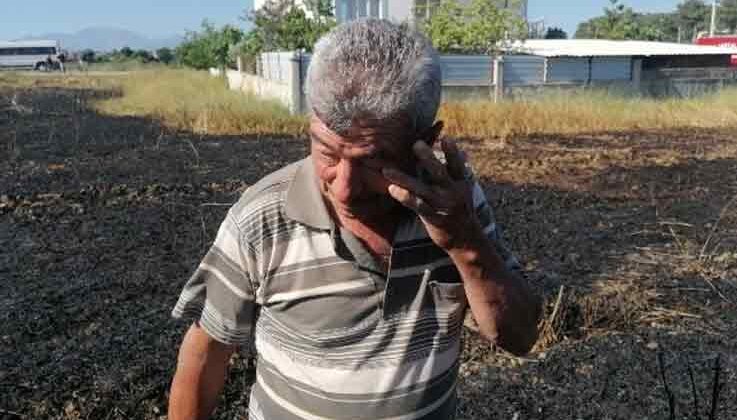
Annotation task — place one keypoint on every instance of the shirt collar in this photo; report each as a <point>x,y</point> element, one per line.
<point>304,201</point>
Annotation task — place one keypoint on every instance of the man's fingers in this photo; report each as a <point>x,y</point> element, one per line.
<point>456,163</point>
<point>411,184</point>
<point>427,159</point>
<point>412,201</point>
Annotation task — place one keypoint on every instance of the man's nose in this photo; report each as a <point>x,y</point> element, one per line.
<point>347,182</point>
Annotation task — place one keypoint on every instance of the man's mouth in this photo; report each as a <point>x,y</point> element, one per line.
<point>359,205</point>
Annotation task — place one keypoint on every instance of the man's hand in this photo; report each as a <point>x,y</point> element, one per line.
<point>501,301</point>
<point>201,369</point>
<point>444,202</point>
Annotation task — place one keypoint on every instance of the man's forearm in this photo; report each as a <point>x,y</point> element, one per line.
<point>503,304</point>
<point>199,378</point>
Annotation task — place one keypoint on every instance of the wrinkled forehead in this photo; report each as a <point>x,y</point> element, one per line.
<point>365,133</point>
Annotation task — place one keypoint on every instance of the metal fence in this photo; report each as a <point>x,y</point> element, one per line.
<point>485,77</point>
<point>478,70</point>
<point>524,70</point>
<point>577,70</point>
<point>457,69</point>
<point>687,82</point>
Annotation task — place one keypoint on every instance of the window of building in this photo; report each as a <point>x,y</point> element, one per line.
<point>374,9</point>
<point>423,9</point>
<point>354,9</point>
<point>28,51</point>
<point>349,11</point>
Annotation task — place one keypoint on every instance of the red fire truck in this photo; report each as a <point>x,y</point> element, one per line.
<point>728,41</point>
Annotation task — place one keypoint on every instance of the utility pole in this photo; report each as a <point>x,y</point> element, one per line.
<point>712,28</point>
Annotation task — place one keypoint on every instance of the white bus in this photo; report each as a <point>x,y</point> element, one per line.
<point>35,55</point>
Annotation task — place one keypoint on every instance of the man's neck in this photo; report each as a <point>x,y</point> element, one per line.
<point>376,237</point>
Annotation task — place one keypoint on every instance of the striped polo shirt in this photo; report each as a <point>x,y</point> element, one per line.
<point>335,335</point>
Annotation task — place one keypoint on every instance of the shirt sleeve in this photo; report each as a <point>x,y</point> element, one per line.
<point>220,295</point>
<point>485,215</point>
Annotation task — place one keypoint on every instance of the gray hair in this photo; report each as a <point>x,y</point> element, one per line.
<point>370,68</point>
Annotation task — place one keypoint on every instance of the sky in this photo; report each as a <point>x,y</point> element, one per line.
<point>163,18</point>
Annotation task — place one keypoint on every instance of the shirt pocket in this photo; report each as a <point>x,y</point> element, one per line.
<point>448,297</point>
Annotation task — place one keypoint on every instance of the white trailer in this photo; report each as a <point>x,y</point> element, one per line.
<point>34,55</point>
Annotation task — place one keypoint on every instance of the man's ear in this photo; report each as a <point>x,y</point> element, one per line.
<point>433,133</point>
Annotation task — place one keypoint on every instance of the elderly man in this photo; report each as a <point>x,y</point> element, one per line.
<point>349,272</point>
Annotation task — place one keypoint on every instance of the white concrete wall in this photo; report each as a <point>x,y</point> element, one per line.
<point>267,89</point>
<point>286,89</point>
<point>235,79</point>
<point>399,10</point>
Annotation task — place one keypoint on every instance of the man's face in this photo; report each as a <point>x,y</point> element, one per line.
<point>349,166</point>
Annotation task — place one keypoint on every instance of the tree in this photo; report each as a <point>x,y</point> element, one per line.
<point>555,33</point>
<point>165,55</point>
<point>142,56</point>
<point>487,25</point>
<point>320,9</point>
<point>210,47</point>
<point>283,26</point>
<point>658,26</point>
<point>477,28</point>
<point>249,49</point>
<point>126,52</point>
<point>728,16</point>
<point>692,16</point>
<point>88,56</point>
<point>221,42</point>
<point>621,22</point>
<point>445,27</point>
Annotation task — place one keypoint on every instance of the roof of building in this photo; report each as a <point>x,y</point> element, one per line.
<point>29,43</point>
<point>608,48</point>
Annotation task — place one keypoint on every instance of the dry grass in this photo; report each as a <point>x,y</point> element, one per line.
<point>575,113</point>
<point>197,102</point>
<point>180,99</point>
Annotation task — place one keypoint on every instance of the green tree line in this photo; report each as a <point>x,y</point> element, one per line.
<point>690,18</point>
<point>280,26</point>
<point>476,27</point>
<point>161,55</point>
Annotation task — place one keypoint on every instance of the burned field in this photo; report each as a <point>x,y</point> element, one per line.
<point>630,236</point>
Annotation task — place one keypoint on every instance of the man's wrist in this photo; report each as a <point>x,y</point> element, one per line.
<point>476,249</point>
<point>471,239</point>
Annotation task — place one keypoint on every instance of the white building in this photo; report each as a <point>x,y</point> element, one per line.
<point>394,10</point>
